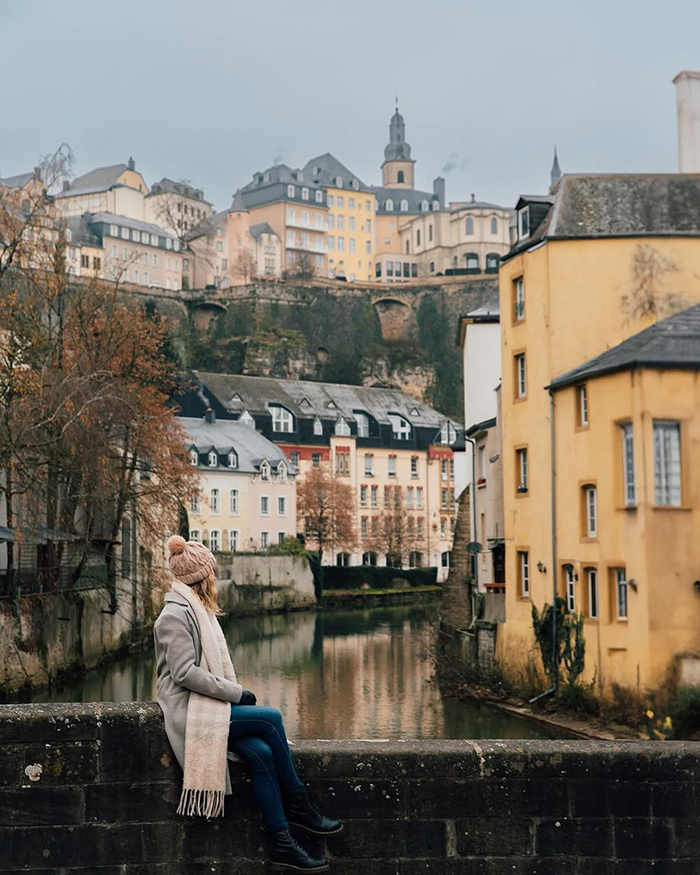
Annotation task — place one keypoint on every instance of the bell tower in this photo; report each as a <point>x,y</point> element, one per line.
<point>398,168</point>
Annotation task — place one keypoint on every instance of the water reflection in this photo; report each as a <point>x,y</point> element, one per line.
<point>345,674</point>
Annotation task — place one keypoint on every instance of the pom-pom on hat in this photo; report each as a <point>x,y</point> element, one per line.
<point>189,561</point>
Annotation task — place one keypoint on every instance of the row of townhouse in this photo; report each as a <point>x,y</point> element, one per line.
<point>582,404</point>
<point>255,438</point>
<point>321,220</point>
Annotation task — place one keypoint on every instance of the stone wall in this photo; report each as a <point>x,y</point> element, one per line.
<point>45,636</point>
<point>265,583</point>
<point>93,789</point>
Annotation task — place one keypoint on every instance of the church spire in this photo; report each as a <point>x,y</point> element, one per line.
<point>555,172</point>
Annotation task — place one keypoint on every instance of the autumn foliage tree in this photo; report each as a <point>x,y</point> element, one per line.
<point>325,507</point>
<point>88,436</point>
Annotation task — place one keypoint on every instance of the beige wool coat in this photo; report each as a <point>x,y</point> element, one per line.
<point>178,652</point>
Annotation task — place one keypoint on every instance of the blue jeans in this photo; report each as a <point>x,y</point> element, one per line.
<point>256,734</point>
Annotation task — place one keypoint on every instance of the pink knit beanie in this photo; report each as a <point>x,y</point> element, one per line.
<point>189,561</point>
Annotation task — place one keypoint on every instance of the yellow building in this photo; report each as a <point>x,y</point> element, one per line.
<point>119,189</point>
<point>350,221</point>
<point>595,263</point>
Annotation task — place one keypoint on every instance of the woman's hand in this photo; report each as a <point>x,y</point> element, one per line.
<point>247,698</point>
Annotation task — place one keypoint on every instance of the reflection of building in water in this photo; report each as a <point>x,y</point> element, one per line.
<point>331,681</point>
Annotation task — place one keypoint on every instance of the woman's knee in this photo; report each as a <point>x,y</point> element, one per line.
<point>258,753</point>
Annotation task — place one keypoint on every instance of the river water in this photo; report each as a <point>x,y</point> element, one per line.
<point>334,674</point>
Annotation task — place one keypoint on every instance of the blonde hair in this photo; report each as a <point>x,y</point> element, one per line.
<point>208,594</point>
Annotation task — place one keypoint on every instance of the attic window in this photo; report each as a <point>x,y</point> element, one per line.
<point>232,460</point>
<point>339,182</point>
<point>247,419</point>
<point>342,429</point>
<point>194,457</point>
<point>318,426</point>
<point>400,427</point>
<point>414,411</point>
<point>213,459</point>
<point>448,434</point>
<point>281,472</point>
<point>331,405</point>
<point>264,470</point>
<point>236,397</point>
<point>305,402</point>
<point>523,223</point>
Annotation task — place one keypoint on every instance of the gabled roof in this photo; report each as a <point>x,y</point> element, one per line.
<point>250,446</point>
<point>80,233</point>
<point>598,205</point>
<point>170,186</point>
<point>672,344</point>
<point>327,168</point>
<point>261,228</point>
<point>100,179</point>
<point>326,400</point>
<point>17,181</point>
<point>488,312</point>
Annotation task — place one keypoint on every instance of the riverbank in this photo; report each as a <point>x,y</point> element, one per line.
<point>335,599</point>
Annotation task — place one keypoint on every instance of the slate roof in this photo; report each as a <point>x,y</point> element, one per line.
<point>167,185</point>
<point>328,169</point>
<point>100,179</point>
<point>225,435</point>
<point>17,181</point>
<point>80,233</point>
<point>326,400</point>
<point>477,205</point>
<point>488,312</point>
<point>260,191</point>
<point>412,195</point>
<point>112,219</point>
<point>599,205</point>
<point>672,344</point>
<point>260,228</point>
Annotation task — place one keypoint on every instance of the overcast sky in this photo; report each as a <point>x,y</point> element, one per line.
<point>212,91</point>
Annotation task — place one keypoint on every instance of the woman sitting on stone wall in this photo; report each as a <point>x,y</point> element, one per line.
<point>208,713</point>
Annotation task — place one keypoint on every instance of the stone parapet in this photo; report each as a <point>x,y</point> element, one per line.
<point>93,789</point>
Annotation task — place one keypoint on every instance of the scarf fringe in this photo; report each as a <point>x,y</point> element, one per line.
<point>201,803</point>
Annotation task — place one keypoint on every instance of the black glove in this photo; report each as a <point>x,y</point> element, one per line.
<point>247,698</point>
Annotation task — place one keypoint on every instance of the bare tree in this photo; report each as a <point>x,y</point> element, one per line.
<point>396,535</point>
<point>303,268</point>
<point>325,508</point>
<point>244,266</point>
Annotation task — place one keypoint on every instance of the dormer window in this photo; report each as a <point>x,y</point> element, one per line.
<point>342,429</point>
<point>523,223</point>
<point>389,206</point>
<point>404,205</point>
<point>331,405</point>
<point>436,205</point>
<point>356,185</point>
<point>339,182</point>
<point>232,460</point>
<point>424,206</point>
<point>247,419</point>
<point>281,471</point>
<point>212,459</point>
<point>265,470</point>
<point>414,411</point>
<point>305,194</point>
<point>319,196</point>
<point>282,419</point>
<point>194,457</point>
<point>362,420</point>
<point>448,434</point>
<point>318,426</point>
<point>400,427</point>
<point>291,191</point>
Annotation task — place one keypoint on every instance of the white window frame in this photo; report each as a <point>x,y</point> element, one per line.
<point>342,429</point>
<point>521,375</point>
<point>318,426</point>
<point>591,500</point>
<point>621,594</point>
<point>215,501</point>
<point>570,582</point>
<point>281,417</point>
<point>667,463</point>
<point>583,404</point>
<point>628,472</point>
<point>195,535</point>
<point>265,470</point>
<point>212,459</point>
<point>215,540</point>
<point>234,506</point>
<point>233,537</point>
<point>369,465</point>
<point>391,466</point>
<point>264,540</point>
<point>281,505</point>
<point>195,502</point>
<point>400,427</point>
<point>362,420</point>
<point>524,558</point>
<point>264,505</point>
<point>523,469</point>
<point>194,458</point>
<point>291,191</point>
<point>519,299</point>
<point>523,223</point>
<point>232,460</point>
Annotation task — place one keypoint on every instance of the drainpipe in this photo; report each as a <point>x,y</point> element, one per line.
<point>555,667</point>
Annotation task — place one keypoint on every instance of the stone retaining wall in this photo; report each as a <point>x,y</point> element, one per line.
<point>93,789</point>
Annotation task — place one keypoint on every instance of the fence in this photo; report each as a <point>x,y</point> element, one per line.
<point>63,578</point>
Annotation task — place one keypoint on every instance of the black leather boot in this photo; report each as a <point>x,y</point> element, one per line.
<point>286,853</point>
<point>302,813</point>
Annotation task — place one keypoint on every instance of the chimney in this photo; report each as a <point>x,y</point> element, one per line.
<point>439,190</point>
<point>210,416</point>
<point>688,110</point>
<point>131,164</point>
